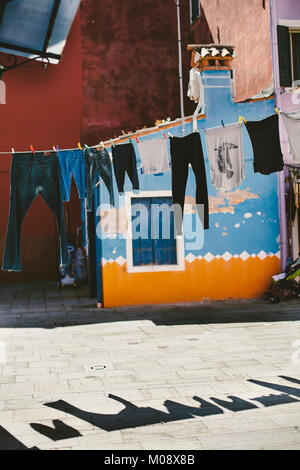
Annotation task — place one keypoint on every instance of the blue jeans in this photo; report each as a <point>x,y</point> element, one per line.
<point>72,162</point>
<point>97,163</point>
<point>30,175</point>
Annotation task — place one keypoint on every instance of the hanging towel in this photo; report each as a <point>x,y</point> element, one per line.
<point>225,151</point>
<point>292,125</point>
<point>154,156</point>
<point>265,140</point>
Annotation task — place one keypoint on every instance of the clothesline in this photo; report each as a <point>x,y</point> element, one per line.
<point>107,143</point>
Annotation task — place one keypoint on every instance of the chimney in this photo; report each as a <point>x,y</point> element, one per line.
<point>211,56</point>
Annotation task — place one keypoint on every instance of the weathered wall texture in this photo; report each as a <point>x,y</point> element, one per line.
<point>130,64</point>
<point>244,24</point>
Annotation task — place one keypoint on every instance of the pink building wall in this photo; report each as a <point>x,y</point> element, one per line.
<point>244,24</point>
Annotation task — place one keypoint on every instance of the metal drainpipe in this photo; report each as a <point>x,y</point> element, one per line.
<point>280,175</point>
<point>180,64</point>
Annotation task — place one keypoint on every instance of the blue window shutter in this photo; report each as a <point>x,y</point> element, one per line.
<point>164,250</point>
<point>154,251</point>
<point>142,250</point>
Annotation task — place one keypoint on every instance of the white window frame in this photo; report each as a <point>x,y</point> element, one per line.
<point>180,266</point>
<point>191,12</point>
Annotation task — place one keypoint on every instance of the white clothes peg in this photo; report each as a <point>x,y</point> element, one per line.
<point>214,51</point>
<point>225,52</point>
<point>204,52</point>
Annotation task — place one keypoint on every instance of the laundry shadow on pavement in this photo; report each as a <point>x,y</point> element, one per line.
<point>59,432</point>
<point>133,416</point>
<point>9,442</point>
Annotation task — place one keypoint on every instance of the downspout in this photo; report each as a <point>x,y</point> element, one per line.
<point>280,175</point>
<point>180,64</point>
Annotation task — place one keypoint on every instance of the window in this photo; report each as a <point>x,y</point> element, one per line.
<point>195,10</point>
<point>289,55</point>
<point>151,241</point>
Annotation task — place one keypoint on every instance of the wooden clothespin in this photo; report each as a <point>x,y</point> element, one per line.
<point>32,149</point>
<point>79,146</point>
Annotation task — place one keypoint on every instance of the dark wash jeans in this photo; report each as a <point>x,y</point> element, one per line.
<point>98,162</point>
<point>32,174</point>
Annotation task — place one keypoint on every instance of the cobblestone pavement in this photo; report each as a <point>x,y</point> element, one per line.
<point>224,375</point>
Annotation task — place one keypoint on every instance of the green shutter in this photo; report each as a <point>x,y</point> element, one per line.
<point>284,53</point>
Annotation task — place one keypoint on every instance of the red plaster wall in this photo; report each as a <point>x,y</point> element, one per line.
<point>130,65</point>
<point>42,109</point>
<point>244,24</point>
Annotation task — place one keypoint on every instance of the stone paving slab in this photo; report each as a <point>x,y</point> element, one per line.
<point>182,377</point>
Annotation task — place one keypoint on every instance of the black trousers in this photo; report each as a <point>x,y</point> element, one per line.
<point>124,161</point>
<point>185,150</point>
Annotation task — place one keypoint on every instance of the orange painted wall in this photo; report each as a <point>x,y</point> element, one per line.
<point>201,280</point>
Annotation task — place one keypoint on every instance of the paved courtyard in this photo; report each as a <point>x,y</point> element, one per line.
<point>224,375</point>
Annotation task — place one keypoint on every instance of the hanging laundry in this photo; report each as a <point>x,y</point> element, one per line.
<point>265,140</point>
<point>225,151</point>
<point>98,163</point>
<point>154,156</point>
<point>292,125</point>
<point>184,151</point>
<point>124,160</point>
<point>72,162</point>
<point>32,174</point>
<point>195,87</point>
